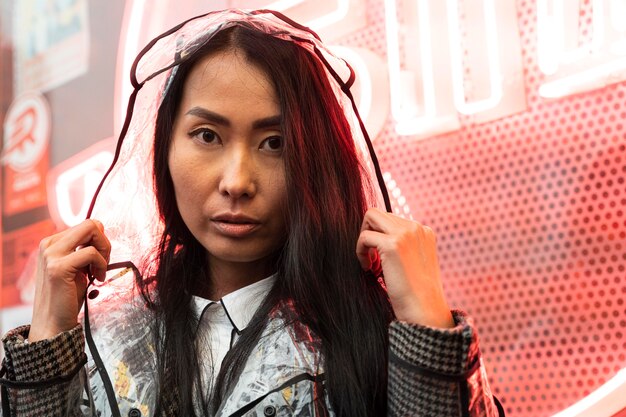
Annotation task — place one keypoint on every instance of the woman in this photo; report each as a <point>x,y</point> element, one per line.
<point>263,297</point>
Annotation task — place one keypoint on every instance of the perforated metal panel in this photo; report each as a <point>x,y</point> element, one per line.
<point>529,212</point>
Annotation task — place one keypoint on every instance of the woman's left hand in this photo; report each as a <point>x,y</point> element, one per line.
<point>407,252</point>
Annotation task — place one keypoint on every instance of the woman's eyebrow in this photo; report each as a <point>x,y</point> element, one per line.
<point>271,121</point>
<point>216,118</point>
<point>209,116</point>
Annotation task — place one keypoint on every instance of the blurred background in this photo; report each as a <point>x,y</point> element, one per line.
<point>500,123</point>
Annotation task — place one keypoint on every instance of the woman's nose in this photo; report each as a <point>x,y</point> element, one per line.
<point>238,177</point>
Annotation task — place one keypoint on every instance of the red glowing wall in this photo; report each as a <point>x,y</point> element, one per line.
<point>530,216</point>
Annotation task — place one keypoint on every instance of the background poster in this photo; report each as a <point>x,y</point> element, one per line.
<point>51,40</point>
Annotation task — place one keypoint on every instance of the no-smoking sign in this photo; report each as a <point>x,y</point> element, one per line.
<point>26,132</point>
<point>25,153</point>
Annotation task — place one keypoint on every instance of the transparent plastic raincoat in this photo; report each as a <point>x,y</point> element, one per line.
<point>432,372</point>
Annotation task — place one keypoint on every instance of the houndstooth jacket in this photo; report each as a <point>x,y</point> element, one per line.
<point>432,372</point>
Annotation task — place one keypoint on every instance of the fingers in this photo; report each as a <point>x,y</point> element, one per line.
<point>89,257</point>
<point>388,224</point>
<point>377,220</point>
<point>88,233</point>
<point>384,233</point>
<point>79,261</point>
<point>366,246</point>
<point>83,248</point>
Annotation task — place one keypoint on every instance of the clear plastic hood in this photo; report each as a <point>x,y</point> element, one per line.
<point>125,201</point>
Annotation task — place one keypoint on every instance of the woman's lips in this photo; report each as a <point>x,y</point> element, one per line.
<point>237,230</point>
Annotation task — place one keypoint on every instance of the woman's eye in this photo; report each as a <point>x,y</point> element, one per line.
<point>205,136</point>
<point>273,144</point>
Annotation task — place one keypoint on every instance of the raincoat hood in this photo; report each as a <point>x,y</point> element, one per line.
<point>125,201</point>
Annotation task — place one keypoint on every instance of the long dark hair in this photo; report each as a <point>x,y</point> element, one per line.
<point>317,270</point>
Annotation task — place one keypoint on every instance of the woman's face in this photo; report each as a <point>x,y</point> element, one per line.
<point>226,160</point>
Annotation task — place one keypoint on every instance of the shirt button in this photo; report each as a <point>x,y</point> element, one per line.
<point>269,411</point>
<point>134,412</point>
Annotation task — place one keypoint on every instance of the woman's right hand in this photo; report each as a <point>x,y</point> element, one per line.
<point>63,262</point>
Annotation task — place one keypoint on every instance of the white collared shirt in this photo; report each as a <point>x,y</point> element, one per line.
<point>222,321</point>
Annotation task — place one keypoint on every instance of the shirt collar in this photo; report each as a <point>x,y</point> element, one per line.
<point>240,305</point>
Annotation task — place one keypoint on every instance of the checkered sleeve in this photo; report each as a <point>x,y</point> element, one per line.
<point>437,372</point>
<point>43,378</point>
